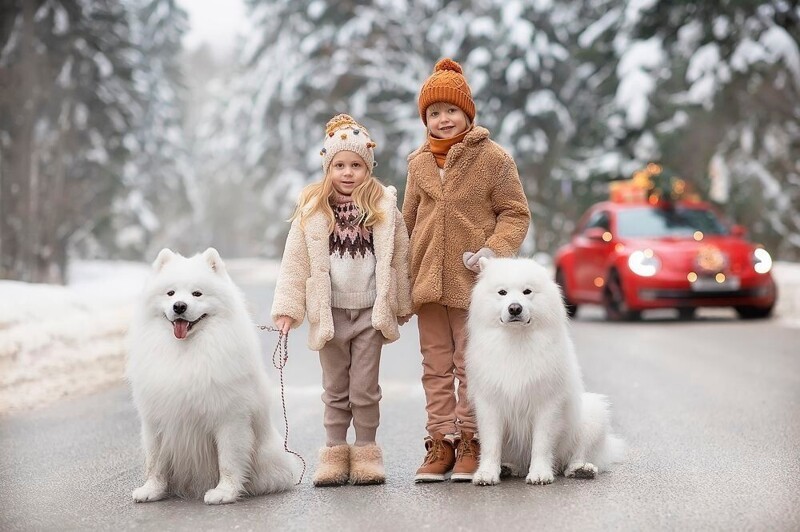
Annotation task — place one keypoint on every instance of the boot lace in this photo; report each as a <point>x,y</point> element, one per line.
<point>435,449</point>
<point>466,448</point>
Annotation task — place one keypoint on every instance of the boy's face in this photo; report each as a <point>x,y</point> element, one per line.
<point>348,170</point>
<point>446,120</point>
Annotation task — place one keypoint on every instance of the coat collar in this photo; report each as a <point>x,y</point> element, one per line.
<point>428,179</point>
<point>472,138</point>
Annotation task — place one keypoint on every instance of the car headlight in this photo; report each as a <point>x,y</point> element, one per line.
<point>762,262</point>
<point>644,263</point>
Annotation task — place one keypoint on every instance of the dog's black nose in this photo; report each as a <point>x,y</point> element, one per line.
<point>515,309</point>
<point>179,307</point>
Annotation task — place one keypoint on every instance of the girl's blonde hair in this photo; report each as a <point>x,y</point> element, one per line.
<point>318,197</point>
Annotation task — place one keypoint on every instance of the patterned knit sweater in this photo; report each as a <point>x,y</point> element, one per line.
<point>352,258</point>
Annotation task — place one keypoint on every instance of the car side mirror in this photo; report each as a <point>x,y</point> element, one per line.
<point>738,231</point>
<point>596,233</point>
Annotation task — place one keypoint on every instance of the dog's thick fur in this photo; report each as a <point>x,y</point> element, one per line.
<point>200,387</point>
<point>525,382</point>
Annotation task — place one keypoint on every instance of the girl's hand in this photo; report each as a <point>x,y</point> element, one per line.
<point>284,323</point>
<point>402,320</point>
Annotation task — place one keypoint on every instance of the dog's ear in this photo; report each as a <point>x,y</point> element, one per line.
<point>482,262</point>
<point>164,256</point>
<point>211,256</point>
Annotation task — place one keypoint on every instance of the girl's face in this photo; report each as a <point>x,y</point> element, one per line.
<point>347,171</point>
<point>446,120</point>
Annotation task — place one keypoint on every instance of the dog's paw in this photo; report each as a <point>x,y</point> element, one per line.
<point>148,493</point>
<point>539,476</point>
<point>581,470</point>
<point>220,496</point>
<point>486,477</point>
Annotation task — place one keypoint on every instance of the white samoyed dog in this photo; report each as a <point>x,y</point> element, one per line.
<point>201,388</point>
<point>525,382</point>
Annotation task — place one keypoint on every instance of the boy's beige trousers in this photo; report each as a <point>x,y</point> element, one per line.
<point>442,340</point>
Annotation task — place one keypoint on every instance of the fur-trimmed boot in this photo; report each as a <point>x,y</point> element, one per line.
<point>366,465</point>
<point>334,466</point>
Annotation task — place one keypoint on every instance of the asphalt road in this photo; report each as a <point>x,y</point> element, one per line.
<point>710,410</point>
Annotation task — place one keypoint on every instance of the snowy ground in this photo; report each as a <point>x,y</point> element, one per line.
<point>57,341</point>
<point>68,340</point>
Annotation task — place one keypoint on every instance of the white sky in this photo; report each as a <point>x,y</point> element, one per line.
<point>215,22</point>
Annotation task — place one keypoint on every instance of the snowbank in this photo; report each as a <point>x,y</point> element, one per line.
<point>68,340</point>
<point>787,276</point>
<point>57,341</point>
<point>64,340</point>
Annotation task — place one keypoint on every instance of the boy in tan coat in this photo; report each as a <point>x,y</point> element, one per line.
<point>463,200</point>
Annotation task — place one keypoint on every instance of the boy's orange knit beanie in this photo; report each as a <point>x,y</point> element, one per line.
<point>446,84</point>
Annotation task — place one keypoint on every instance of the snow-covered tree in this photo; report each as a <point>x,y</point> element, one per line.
<point>102,152</point>
<point>155,209</point>
<point>64,115</point>
<point>310,59</point>
<point>92,152</point>
<point>711,90</point>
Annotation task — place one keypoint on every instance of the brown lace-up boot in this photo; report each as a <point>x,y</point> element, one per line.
<point>438,461</point>
<point>468,453</point>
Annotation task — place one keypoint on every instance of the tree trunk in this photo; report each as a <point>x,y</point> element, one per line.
<point>17,259</point>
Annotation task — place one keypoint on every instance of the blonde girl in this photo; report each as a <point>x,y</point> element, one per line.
<point>345,266</point>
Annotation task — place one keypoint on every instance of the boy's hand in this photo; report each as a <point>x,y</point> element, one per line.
<point>284,323</point>
<point>471,259</point>
<point>402,320</point>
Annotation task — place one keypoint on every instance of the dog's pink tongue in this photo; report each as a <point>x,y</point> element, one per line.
<point>180,328</point>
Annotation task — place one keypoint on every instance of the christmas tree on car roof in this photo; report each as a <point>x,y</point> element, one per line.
<point>652,184</point>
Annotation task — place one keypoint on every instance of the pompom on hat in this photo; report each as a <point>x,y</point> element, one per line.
<point>446,84</point>
<point>345,134</point>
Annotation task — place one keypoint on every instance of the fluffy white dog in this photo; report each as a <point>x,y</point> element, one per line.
<point>525,381</point>
<point>200,387</point>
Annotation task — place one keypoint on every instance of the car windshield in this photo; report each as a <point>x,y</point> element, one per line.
<point>660,222</point>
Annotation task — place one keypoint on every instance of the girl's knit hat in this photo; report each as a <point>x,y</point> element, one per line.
<point>345,134</point>
<point>446,84</point>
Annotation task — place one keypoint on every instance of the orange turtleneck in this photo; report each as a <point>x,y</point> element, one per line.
<point>440,147</point>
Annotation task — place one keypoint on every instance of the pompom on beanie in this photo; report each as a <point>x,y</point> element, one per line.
<point>342,133</point>
<point>446,84</point>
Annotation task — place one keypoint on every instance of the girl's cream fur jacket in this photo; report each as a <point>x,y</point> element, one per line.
<point>304,282</point>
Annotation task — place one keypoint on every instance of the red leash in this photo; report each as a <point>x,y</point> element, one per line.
<point>279,358</point>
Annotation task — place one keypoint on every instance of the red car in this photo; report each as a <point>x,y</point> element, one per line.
<point>637,255</point>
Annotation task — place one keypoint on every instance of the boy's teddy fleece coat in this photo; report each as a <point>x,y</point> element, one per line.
<point>479,203</point>
<point>304,283</point>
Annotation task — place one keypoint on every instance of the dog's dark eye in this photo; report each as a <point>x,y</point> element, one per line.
<point>502,292</point>
<point>197,294</point>
<point>171,293</point>
<point>527,291</point>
